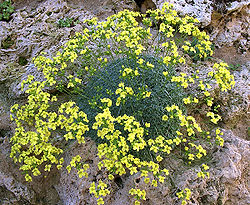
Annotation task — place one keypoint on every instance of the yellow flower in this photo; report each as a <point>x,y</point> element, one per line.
<point>209,103</point>
<point>159,158</point>
<point>200,174</point>
<point>165,73</point>
<point>217,131</point>
<point>140,61</point>
<point>100,201</point>
<point>184,202</point>
<point>187,100</point>
<point>195,100</point>
<point>150,65</point>
<point>70,84</point>
<point>154,183</point>
<point>190,156</point>
<point>205,167</point>
<point>166,60</point>
<point>206,93</point>
<point>199,155</point>
<point>111,177</point>
<point>133,170</point>
<point>164,117</point>
<point>146,180</point>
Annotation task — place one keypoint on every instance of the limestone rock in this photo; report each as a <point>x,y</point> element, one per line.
<point>228,23</point>
<point>235,113</point>
<point>232,26</point>
<point>71,188</point>
<point>34,28</point>
<point>20,191</point>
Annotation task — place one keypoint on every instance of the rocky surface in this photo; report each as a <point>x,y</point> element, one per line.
<point>236,104</point>
<point>34,28</point>
<point>231,26</point>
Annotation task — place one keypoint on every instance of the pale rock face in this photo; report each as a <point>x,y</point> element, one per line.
<point>20,191</point>
<point>72,189</point>
<point>33,29</point>
<point>232,27</point>
<point>201,9</point>
<point>236,5</point>
<point>235,113</point>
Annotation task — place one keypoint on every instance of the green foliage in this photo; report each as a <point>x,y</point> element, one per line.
<point>196,52</point>
<point>6,9</point>
<point>67,22</point>
<point>145,110</point>
<point>234,67</point>
<point>7,43</point>
<point>133,105</point>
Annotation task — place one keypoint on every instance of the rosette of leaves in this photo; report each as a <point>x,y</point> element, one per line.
<point>6,9</point>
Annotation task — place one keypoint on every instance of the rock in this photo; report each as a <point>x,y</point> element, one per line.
<point>20,191</point>
<point>232,168</point>
<point>235,5</point>
<point>227,27</point>
<point>13,187</point>
<point>229,168</point>
<point>235,113</point>
<point>34,28</point>
<point>231,27</point>
<point>15,87</point>
<point>145,5</point>
<point>72,189</point>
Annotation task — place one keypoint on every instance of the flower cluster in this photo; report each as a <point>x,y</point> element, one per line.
<point>81,167</point>
<point>204,171</point>
<point>184,195</point>
<point>222,76</point>
<point>139,194</point>
<point>33,142</point>
<point>123,92</point>
<point>99,191</point>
